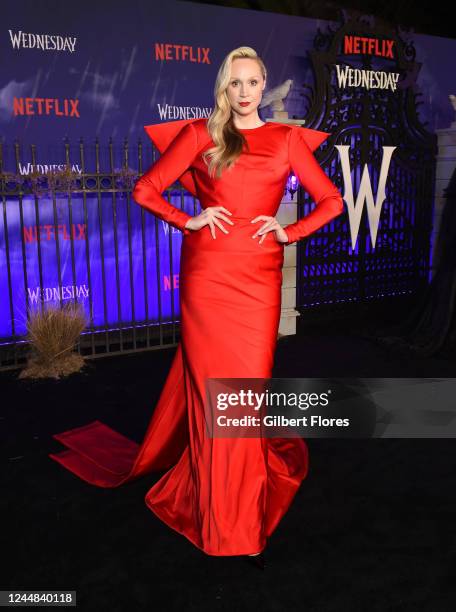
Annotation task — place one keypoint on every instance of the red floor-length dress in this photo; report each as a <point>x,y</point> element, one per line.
<point>226,495</point>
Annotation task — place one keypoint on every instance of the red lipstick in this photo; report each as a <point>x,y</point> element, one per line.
<point>244,103</point>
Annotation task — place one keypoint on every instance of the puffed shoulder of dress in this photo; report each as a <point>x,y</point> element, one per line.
<point>162,134</point>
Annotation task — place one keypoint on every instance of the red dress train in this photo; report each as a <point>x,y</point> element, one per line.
<point>226,495</point>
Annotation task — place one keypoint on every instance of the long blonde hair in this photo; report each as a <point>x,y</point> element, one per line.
<point>228,140</point>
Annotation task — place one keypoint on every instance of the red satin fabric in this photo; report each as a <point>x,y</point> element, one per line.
<point>226,495</point>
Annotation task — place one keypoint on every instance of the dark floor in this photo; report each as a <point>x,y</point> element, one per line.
<point>371,528</point>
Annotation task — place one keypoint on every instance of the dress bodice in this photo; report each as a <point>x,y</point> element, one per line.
<point>253,186</point>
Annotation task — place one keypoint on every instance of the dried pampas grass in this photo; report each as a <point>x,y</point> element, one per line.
<point>52,333</point>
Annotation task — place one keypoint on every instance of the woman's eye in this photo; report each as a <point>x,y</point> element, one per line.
<point>252,82</point>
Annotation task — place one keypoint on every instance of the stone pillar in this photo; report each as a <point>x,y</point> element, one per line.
<point>288,213</point>
<point>446,162</point>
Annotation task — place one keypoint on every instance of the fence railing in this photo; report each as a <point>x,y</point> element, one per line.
<point>75,233</point>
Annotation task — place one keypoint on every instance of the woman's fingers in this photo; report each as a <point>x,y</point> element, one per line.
<point>211,225</point>
<point>215,222</point>
<point>217,209</point>
<point>264,227</point>
<point>224,217</point>
<point>268,227</point>
<point>213,215</point>
<point>218,224</point>
<point>259,218</point>
<point>263,234</point>
<point>223,209</point>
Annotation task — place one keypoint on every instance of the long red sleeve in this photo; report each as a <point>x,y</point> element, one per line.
<point>328,199</point>
<point>173,162</point>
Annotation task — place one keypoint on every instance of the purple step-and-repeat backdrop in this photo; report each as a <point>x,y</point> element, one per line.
<point>104,70</point>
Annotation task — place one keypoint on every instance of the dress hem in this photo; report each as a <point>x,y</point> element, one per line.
<point>163,518</point>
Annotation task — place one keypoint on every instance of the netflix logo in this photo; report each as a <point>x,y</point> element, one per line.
<point>181,53</point>
<point>45,106</point>
<point>362,45</point>
<point>47,232</point>
<point>169,284</point>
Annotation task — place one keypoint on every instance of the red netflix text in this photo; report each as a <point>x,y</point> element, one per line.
<point>45,106</point>
<point>362,45</point>
<point>47,232</point>
<point>182,53</point>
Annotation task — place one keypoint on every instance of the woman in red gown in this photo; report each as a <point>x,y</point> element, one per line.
<point>226,495</point>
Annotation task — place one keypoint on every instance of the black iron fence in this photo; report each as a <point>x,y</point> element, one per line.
<point>123,261</point>
<point>81,200</point>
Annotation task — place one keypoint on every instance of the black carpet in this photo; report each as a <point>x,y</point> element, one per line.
<point>371,528</point>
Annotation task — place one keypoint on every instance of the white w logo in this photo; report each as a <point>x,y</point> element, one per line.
<point>364,194</point>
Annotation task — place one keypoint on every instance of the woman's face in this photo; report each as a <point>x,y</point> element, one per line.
<point>246,85</point>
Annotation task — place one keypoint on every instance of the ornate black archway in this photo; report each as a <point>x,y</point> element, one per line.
<point>343,264</point>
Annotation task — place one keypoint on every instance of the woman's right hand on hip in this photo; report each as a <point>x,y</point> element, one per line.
<point>210,216</point>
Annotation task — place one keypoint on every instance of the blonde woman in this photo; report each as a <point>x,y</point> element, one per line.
<point>226,495</point>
